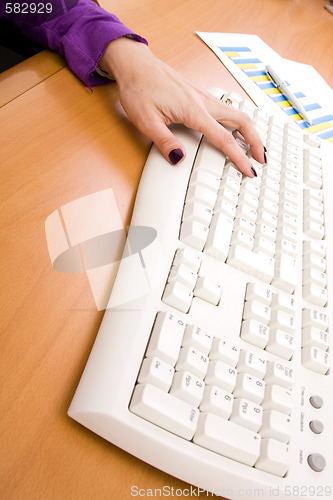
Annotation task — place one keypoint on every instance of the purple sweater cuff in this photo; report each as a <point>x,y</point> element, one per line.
<point>81,34</point>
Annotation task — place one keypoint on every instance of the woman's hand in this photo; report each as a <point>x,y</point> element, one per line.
<point>154,96</point>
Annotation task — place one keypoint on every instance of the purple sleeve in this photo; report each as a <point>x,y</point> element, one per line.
<point>79,30</point>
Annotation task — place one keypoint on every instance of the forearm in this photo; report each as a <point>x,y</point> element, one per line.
<point>80,34</point>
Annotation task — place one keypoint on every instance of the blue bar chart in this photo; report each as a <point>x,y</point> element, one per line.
<point>254,68</point>
<point>247,61</point>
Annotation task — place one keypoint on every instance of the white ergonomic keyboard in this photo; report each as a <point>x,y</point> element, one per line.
<point>212,361</point>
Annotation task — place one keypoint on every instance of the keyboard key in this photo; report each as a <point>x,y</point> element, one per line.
<point>283,320</point>
<point>242,238</point>
<point>255,309</point>
<point>194,233</point>
<point>256,264</point>
<point>276,425</point>
<point>251,363</point>
<point>283,302</point>
<point>219,236</point>
<point>259,292</point>
<point>285,272</point>
<point>231,182</point>
<point>289,208</point>
<point>201,194</point>
<point>314,247</point>
<point>246,198</point>
<point>266,231</point>
<point>188,256</point>
<point>184,275</point>
<point>243,224</point>
<point>315,215</point>
<point>255,332</point>
<point>164,410</point>
<point>314,260</point>
<point>286,246</point>
<point>209,158</point>
<point>178,296</point>
<point>268,205</point>
<point>230,171</point>
<point>247,414</point>
<point>278,373</point>
<point>250,187</point>
<point>270,194</point>
<point>192,360</point>
<point>285,232</point>
<point>196,337</point>
<point>157,372</point>
<point>227,438</point>
<point>274,457</point>
<point>225,207</point>
<point>312,180</point>
<point>315,336</point>
<point>199,212</point>
<point>249,387</point>
<point>217,400</point>
<point>314,229</point>
<point>268,219</point>
<point>166,337</point>
<point>203,178</point>
<point>277,398</point>
<point>224,351</point>
<point>263,245</point>
<point>315,317</point>
<point>188,387</point>
<point>227,194</point>
<point>315,359</point>
<point>222,375</point>
<point>281,343</point>
<point>288,220</point>
<point>315,294</point>
<point>208,290</point>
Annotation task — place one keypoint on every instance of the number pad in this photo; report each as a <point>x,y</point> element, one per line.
<point>193,377</point>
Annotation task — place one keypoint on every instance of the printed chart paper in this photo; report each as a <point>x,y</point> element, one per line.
<point>246,57</point>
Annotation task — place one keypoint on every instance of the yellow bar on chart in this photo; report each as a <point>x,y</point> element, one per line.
<point>271,91</point>
<point>247,66</point>
<point>296,117</point>
<point>232,54</point>
<point>318,128</point>
<point>259,78</point>
<point>284,104</point>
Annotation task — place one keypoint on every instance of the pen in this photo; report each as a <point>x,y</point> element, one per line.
<point>282,86</point>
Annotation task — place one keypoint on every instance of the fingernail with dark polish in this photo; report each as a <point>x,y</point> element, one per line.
<point>265,151</point>
<point>254,172</point>
<point>175,156</point>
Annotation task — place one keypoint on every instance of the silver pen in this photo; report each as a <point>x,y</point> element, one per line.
<point>283,87</point>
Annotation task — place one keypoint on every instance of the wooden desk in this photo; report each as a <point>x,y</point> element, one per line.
<point>58,142</point>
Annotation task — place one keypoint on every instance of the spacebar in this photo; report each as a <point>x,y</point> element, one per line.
<point>258,265</point>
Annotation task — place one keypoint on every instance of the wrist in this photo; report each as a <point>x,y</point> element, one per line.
<point>120,57</point>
